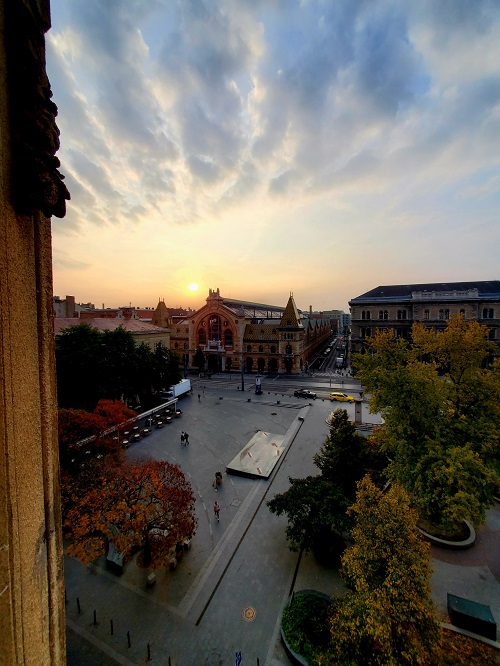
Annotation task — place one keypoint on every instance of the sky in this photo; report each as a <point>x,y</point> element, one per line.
<point>264,147</point>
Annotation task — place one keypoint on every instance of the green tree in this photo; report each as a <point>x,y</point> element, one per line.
<point>199,360</point>
<point>346,456</point>
<point>92,366</point>
<point>316,506</point>
<point>79,367</point>
<point>316,511</point>
<point>388,617</point>
<point>439,405</point>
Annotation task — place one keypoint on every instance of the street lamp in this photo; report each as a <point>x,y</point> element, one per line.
<point>242,373</point>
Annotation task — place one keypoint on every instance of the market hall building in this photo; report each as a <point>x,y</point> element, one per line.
<point>234,334</point>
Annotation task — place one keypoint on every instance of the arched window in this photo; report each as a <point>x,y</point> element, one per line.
<point>380,314</point>
<point>288,349</point>
<point>462,313</point>
<point>202,337</point>
<point>488,313</point>
<point>401,314</point>
<point>273,349</point>
<point>176,346</point>
<point>214,328</point>
<point>261,349</point>
<point>446,314</point>
<point>228,337</point>
<point>426,314</point>
<point>249,349</point>
<point>365,314</point>
<point>441,314</point>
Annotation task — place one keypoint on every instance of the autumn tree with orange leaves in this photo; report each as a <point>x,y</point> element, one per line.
<point>141,505</point>
<point>76,425</point>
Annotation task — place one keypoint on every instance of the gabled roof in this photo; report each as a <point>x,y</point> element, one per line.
<point>161,315</point>
<point>291,317</point>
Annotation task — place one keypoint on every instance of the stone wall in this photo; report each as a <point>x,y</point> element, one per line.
<point>31,574</point>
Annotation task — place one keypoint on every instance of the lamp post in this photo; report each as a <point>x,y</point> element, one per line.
<point>242,372</point>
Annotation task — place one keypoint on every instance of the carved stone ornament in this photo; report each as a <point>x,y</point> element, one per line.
<point>37,183</point>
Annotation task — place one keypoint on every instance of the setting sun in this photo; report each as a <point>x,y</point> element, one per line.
<point>193,286</point>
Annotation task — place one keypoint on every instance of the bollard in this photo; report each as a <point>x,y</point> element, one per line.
<point>149,653</point>
<point>111,625</point>
<point>65,597</point>
<point>95,618</point>
<point>128,639</point>
<point>78,605</point>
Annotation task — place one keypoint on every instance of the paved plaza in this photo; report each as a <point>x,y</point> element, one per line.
<point>227,592</point>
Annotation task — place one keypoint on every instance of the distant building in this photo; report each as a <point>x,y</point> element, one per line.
<point>399,306</point>
<point>142,332</point>
<point>265,338</point>
<point>65,307</point>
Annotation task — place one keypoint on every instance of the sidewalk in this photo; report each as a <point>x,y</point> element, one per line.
<point>228,591</point>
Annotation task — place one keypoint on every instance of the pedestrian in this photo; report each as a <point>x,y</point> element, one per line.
<point>216,510</point>
<point>183,438</point>
<point>186,439</point>
<point>199,397</point>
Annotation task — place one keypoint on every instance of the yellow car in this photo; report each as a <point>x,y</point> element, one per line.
<point>341,397</point>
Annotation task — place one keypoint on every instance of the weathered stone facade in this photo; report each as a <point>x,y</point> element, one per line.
<point>399,306</point>
<point>32,618</point>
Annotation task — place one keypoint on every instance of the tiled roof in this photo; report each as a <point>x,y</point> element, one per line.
<point>290,316</point>
<point>102,324</point>
<point>486,288</point>
<point>261,332</point>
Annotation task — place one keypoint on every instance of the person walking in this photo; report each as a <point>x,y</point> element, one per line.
<point>199,397</point>
<point>216,510</point>
<point>186,439</point>
<point>183,438</point>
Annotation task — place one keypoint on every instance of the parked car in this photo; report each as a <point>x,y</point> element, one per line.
<point>305,393</point>
<point>341,397</point>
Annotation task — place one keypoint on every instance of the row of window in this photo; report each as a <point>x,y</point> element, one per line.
<point>488,313</point>
<point>366,332</point>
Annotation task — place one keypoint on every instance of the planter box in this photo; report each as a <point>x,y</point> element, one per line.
<point>472,616</point>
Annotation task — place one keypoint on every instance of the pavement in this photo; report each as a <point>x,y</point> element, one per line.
<point>227,593</point>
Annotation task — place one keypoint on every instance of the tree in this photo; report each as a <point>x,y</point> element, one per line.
<point>316,511</point>
<point>75,425</point>
<point>388,618</point>
<point>346,456</point>
<point>114,412</point>
<point>92,365</point>
<point>148,505</point>
<point>316,506</point>
<point>441,412</point>
<point>79,367</point>
<point>199,360</point>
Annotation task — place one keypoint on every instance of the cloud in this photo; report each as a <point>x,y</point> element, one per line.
<point>357,110</point>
